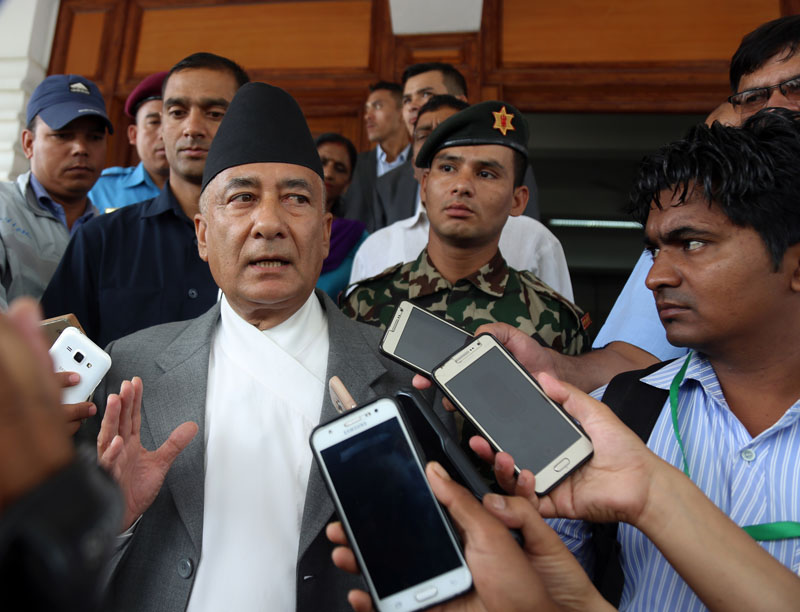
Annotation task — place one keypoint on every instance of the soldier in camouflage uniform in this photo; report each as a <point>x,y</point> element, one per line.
<point>491,291</point>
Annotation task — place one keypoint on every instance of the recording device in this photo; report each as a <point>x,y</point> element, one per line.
<point>419,339</point>
<point>340,397</point>
<point>405,546</point>
<point>506,404</point>
<point>74,352</point>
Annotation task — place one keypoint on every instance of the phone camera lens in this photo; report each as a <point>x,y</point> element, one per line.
<point>78,357</point>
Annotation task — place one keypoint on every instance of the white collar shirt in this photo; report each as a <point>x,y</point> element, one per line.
<point>265,393</point>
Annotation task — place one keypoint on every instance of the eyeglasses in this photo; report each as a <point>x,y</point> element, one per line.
<point>755,99</point>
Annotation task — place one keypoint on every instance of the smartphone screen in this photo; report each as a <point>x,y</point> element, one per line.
<point>424,339</point>
<point>506,405</point>
<point>394,519</point>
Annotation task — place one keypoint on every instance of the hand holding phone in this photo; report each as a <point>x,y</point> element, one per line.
<point>508,407</point>
<point>401,539</point>
<point>75,352</point>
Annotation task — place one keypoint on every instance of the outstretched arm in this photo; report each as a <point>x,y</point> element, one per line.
<point>625,481</point>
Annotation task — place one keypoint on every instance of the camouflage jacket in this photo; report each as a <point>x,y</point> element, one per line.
<point>495,293</point>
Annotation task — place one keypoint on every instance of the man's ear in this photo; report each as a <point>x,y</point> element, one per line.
<point>328,221</point>
<point>200,228</point>
<point>792,259</point>
<point>462,97</point>
<point>132,134</point>
<point>27,139</point>
<point>520,200</point>
<point>423,182</point>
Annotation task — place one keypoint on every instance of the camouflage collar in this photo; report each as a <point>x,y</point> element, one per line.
<point>424,279</point>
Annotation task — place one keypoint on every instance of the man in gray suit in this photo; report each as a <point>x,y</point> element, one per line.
<point>235,519</point>
<point>385,127</point>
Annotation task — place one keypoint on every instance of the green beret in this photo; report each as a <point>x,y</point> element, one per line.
<point>490,122</point>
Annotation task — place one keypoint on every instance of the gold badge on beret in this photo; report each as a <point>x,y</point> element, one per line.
<point>502,121</point>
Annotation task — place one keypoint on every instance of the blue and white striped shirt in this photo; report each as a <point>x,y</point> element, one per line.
<point>753,480</point>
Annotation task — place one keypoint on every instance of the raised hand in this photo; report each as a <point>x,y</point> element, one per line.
<point>33,439</point>
<point>139,472</point>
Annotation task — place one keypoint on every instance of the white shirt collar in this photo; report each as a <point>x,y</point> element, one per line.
<point>293,335</point>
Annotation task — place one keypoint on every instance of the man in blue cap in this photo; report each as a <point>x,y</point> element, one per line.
<point>119,186</point>
<point>65,141</point>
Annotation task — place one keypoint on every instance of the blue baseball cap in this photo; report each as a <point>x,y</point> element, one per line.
<point>62,98</point>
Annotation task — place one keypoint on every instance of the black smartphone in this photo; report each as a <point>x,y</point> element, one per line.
<point>437,444</point>
<point>509,408</point>
<point>419,339</point>
<point>405,546</point>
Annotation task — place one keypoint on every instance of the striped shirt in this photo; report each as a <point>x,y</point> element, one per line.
<point>753,480</point>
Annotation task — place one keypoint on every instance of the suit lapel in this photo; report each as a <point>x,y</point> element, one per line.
<point>353,359</point>
<point>180,396</point>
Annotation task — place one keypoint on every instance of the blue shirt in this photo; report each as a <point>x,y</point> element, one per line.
<point>634,318</point>
<point>384,166</point>
<point>752,480</point>
<point>130,269</point>
<point>56,209</point>
<point>118,187</point>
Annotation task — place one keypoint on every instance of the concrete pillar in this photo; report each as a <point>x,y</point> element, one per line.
<point>27,28</point>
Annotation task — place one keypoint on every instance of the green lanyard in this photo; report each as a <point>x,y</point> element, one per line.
<point>781,530</point>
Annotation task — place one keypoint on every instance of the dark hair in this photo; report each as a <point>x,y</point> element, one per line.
<point>393,88</point>
<point>766,41</point>
<point>453,79</point>
<point>212,62</point>
<point>441,101</point>
<point>749,172</point>
<point>339,139</point>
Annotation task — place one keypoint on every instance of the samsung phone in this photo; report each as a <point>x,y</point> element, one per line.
<point>75,352</point>
<point>509,408</point>
<point>53,327</point>
<point>419,339</point>
<point>404,544</point>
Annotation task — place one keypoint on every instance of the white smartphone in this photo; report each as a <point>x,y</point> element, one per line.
<point>405,546</point>
<point>75,352</point>
<point>509,408</point>
<point>419,339</point>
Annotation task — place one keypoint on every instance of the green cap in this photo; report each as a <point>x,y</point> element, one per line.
<point>491,122</point>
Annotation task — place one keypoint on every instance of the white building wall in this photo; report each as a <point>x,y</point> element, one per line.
<point>27,28</point>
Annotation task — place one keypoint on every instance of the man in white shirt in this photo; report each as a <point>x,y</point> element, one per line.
<point>235,519</point>
<point>525,242</point>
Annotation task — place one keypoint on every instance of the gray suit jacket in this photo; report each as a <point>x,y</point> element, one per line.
<point>358,200</point>
<point>157,569</point>
<point>395,195</point>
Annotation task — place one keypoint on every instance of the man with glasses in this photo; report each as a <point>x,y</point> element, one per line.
<point>764,72</point>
